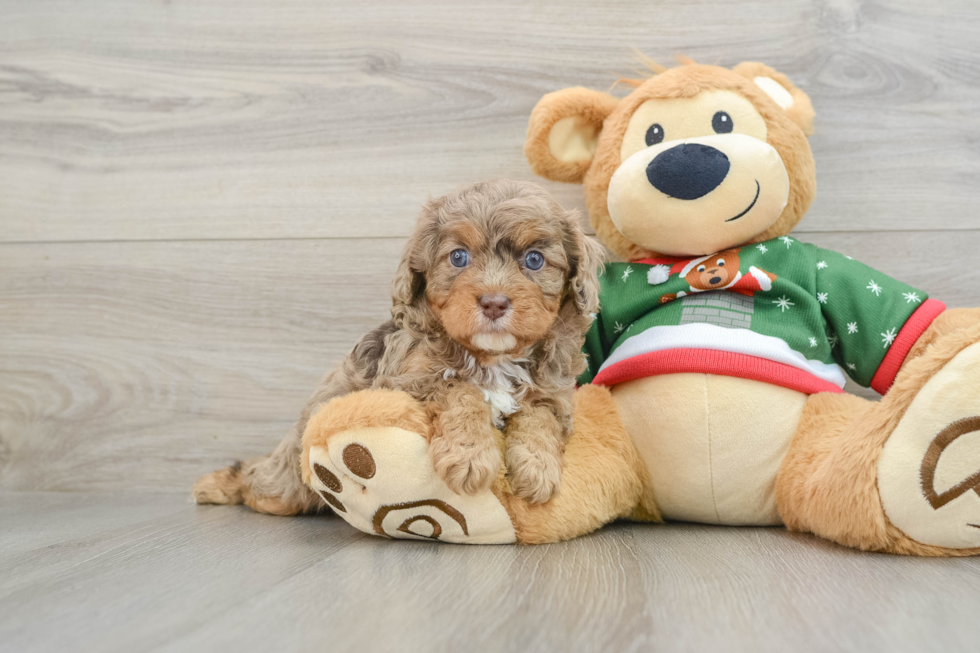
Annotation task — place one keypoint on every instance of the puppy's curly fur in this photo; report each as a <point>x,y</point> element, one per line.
<point>490,342</point>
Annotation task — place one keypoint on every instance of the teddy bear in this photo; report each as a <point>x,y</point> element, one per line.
<point>717,361</point>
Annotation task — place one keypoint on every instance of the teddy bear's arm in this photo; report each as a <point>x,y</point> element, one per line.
<point>595,353</point>
<point>627,292</point>
<point>873,319</point>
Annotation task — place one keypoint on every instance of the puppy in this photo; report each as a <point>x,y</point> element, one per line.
<point>491,302</point>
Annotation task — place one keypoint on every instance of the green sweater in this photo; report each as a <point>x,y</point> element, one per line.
<point>779,311</point>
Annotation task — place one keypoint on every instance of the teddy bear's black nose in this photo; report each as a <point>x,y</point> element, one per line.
<point>688,171</point>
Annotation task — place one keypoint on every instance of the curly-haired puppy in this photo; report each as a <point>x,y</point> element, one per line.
<point>491,302</point>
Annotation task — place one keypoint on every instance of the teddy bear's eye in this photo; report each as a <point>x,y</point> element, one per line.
<point>721,262</point>
<point>459,258</point>
<point>722,123</point>
<point>655,134</point>
<point>700,268</point>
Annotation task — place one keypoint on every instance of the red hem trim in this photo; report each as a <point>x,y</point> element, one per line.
<point>914,327</point>
<point>710,361</point>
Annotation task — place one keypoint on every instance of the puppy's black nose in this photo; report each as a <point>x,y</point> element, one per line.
<point>494,306</point>
<point>688,171</point>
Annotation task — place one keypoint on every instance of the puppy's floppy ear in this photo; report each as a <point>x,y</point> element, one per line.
<point>585,257</point>
<point>783,92</point>
<point>563,132</point>
<point>408,285</point>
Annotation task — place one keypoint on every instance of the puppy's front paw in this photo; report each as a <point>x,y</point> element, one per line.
<point>535,473</point>
<point>467,464</point>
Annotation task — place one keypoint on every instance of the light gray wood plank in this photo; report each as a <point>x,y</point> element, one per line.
<point>312,119</point>
<point>139,366</point>
<point>121,363</point>
<point>214,578</point>
<point>55,518</point>
<point>129,587</point>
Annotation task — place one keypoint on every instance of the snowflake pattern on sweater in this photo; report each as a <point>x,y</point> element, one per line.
<point>753,312</point>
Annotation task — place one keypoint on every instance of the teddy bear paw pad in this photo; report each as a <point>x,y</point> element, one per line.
<point>929,470</point>
<point>381,481</point>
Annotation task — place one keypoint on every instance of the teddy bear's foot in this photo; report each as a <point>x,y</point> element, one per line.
<point>380,480</point>
<point>929,470</point>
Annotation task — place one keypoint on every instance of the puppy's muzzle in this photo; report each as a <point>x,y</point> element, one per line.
<point>688,171</point>
<point>494,306</point>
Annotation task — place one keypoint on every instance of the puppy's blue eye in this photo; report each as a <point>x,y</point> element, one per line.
<point>460,258</point>
<point>533,260</point>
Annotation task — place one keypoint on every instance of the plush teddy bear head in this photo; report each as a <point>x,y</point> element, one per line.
<point>695,160</point>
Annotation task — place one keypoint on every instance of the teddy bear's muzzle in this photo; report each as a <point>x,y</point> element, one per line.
<point>698,195</point>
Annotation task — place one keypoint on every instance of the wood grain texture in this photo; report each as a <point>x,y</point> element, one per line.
<point>189,578</point>
<point>221,119</point>
<point>122,363</point>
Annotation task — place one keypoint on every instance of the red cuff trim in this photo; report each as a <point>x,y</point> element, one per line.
<point>914,327</point>
<point>710,361</point>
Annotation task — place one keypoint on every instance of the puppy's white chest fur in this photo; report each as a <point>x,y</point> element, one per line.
<point>503,386</point>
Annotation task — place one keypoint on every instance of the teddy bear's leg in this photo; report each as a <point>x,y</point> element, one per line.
<point>603,478</point>
<point>901,475</point>
<point>366,455</point>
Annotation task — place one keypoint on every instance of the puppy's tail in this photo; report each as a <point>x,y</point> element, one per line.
<point>223,487</point>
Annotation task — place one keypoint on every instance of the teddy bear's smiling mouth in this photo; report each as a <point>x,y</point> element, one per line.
<point>754,200</point>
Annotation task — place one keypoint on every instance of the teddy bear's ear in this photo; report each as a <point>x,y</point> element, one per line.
<point>783,92</point>
<point>563,132</point>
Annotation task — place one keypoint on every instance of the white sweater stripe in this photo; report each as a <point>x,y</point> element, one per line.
<point>709,336</point>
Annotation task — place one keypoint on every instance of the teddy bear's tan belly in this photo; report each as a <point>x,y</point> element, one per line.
<point>713,444</point>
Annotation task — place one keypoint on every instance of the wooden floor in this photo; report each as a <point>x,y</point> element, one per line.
<point>201,206</point>
<point>93,572</point>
